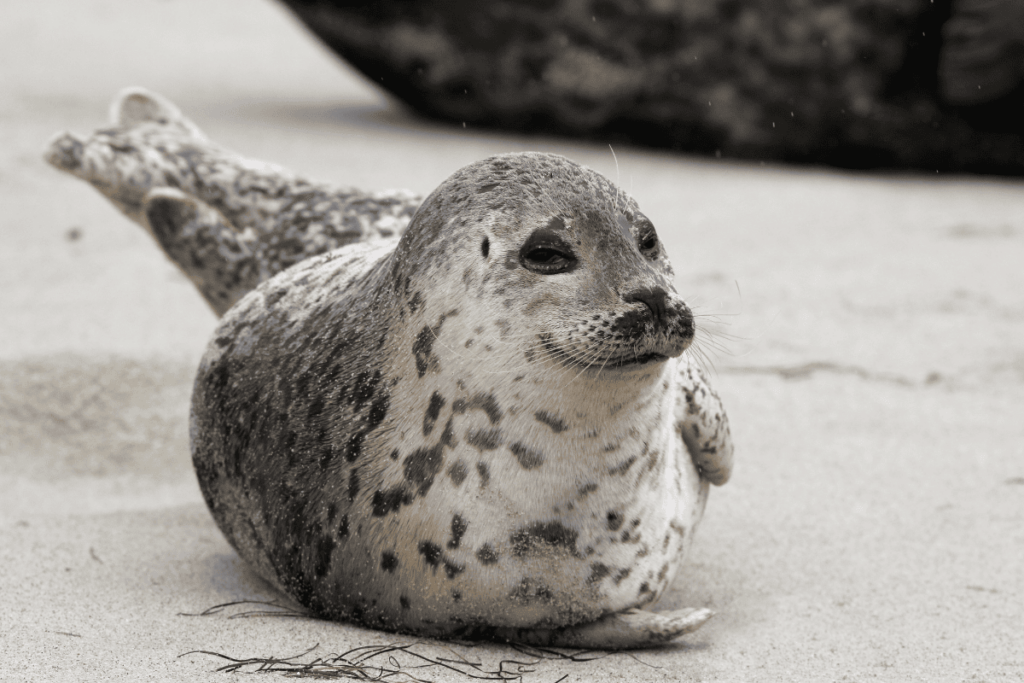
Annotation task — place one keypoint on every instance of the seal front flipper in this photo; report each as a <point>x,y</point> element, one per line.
<point>627,630</point>
<point>702,424</point>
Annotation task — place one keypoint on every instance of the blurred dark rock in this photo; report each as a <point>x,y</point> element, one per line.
<point>982,58</point>
<point>852,83</point>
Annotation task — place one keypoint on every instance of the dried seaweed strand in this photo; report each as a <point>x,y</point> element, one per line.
<point>281,611</point>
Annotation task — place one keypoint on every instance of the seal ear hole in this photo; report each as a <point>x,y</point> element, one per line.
<point>485,247</point>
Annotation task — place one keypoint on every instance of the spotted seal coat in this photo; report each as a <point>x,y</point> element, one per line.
<point>489,428</point>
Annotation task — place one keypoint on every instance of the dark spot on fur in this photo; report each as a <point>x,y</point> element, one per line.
<point>275,296</point>
<point>542,537</point>
<point>394,454</point>
<point>353,484</point>
<point>597,572</point>
<point>485,474</point>
<point>431,553</point>
<point>378,411</point>
<point>456,595</point>
<point>324,550</point>
<point>485,247</point>
<point>422,349</point>
<point>433,411</point>
<point>415,302</point>
<point>531,590</point>
<point>484,402</point>
<point>486,188</point>
<point>484,439</point>
<point>528,458</point>
<point>291,436</point>
<point>403,601</point>
<point>615,520</point>
<point>662,572</point>
<point>622,574</point>
<point>388,561</point>
<point>459,526</point>
<point>487,554</point>
<point>316,406</point>
<point>644,588</point>
<point>332,512</point>
<point>451,570</point>
<point>343,527</point>
<point>422,466</point>
<point>364,388</point>
<point>390,500</point>
<point>586,490</point>
<point>622,467</point>
<point>354,446</point>
<point>458,473</point>
<point>544,417</point>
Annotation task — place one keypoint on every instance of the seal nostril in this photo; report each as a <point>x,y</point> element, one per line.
<point>655,298</point>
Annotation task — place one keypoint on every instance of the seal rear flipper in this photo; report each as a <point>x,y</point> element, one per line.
<point>628,630</point>
<point>151,145</point>
<point>218,259</point>
<point>134,106</point>
<point>98,163</point>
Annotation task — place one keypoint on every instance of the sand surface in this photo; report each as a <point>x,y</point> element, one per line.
<point>871,355</point>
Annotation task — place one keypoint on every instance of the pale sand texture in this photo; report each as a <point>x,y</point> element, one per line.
<point>874,529</point>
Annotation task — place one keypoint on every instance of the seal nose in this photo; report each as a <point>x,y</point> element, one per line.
<point>656,299</point>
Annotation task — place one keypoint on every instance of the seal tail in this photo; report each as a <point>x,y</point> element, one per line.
<point>232,222</point>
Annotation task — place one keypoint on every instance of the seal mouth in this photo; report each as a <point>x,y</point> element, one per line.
<point>637,360</point>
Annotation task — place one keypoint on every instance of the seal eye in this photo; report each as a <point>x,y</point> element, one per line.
<point>648,240</point>
<point>545,260</point>
<point>545,252</point>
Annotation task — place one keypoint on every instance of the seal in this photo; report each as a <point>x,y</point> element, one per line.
<point>488,428</point>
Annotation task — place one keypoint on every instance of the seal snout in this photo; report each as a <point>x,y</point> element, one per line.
<point>656,299</point>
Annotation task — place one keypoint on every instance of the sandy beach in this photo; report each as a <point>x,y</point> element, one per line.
<point>867,332</point>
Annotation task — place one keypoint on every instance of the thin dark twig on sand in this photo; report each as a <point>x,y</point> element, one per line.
<point>546,653</point>
<point>280,611</point>
<point>393,661</point>
<point>358,664</point>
